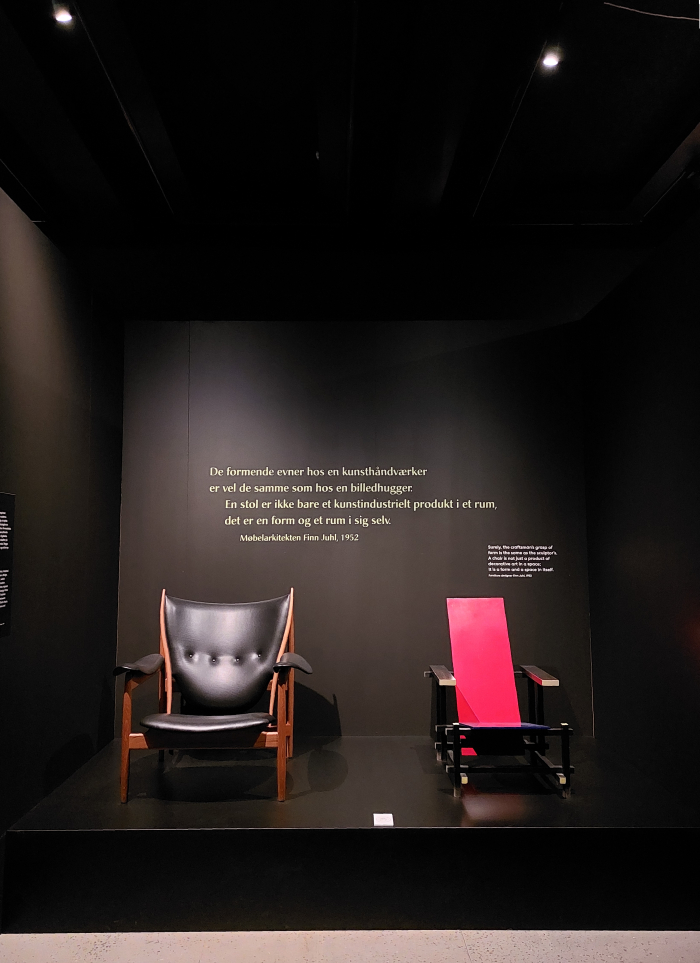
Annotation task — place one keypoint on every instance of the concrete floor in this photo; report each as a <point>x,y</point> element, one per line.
<point>351,946</point>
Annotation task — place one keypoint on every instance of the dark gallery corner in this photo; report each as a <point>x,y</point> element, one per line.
<point>389,304</point>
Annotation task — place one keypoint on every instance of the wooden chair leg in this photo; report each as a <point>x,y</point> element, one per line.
<point>290,697</point>
<point>124,776</point>
<point>290,715</point>
<point>282,741</point>
<point>126,731</point>
<point>281,770</point>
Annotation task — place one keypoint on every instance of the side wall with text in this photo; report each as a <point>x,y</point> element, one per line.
<point>60,450</point>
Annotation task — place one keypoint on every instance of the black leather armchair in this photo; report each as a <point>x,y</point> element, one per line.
<point>221,658</point>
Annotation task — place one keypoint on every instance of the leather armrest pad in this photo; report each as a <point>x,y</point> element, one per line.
<point>146,666</point>
<point>290,660</point>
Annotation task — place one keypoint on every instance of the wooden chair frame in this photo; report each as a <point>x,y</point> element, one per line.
<point>278,736</point>
<point>534,740</point>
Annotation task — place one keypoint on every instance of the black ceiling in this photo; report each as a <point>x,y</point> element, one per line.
<point>434,117</point>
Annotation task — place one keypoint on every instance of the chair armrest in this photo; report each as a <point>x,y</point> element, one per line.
<point>441,674</point>
<point>290,660</point>
<point>539,675</point>
<point>145,666</point>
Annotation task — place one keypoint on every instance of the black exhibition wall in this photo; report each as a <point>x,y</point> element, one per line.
<point>60,450</point>
<point>643,457</point>
<point>494,281</point>
<point>380,487</point>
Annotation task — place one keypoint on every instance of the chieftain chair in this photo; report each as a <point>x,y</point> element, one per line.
<point>221,658</point>
<point>488,721</point>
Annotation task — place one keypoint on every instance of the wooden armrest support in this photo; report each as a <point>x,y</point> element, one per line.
<point>442,675</point>
<point>539,675</point>
<point>132,681</point>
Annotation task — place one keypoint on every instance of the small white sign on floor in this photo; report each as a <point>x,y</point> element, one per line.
<point>383,819</point>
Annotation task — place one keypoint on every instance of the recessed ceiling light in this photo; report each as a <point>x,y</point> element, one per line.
<point>61,13</point>
<point>551,59</point>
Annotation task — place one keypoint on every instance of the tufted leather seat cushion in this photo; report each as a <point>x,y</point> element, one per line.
<point>175,722</point>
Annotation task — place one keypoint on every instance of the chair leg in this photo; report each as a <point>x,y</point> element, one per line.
<point>565,759</point>
<point>124,773</point>
<point>457,761</point>
<point>282,740</point>
<point>290,715</point>
<point>282,768</point>
<point>126,731</point>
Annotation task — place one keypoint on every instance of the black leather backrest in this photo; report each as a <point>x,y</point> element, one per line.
<point>222,656</point>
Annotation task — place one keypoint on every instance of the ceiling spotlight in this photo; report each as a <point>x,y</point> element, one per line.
<point>61,13</point>
<point>551,59</point>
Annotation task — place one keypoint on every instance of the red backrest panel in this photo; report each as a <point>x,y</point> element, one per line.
<point>482,663</point>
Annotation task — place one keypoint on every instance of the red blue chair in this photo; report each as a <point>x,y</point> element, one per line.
<point>488,715</point>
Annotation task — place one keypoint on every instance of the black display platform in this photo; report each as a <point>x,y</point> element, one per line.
<point>203,844</point>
